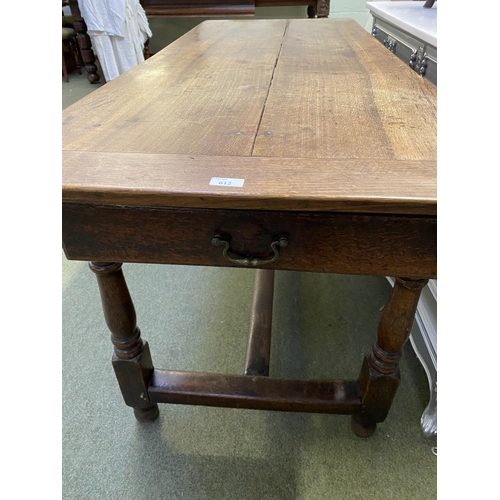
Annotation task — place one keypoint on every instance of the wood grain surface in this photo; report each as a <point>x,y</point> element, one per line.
<point>203,94</point>
<point>373,245</point>
<point>378,186</point>
<point>338,93</point>
<point>240,391</point>
<point>312,117</point>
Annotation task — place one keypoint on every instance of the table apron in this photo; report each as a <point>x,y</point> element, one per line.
<point>345,243</point>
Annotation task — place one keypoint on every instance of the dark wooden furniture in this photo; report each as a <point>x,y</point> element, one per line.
<point>84,43</point>
<point>190,8</point>
<point>70,53</point>
<point>262,144</point>
<point>71,56</point>
<point>212,8</point>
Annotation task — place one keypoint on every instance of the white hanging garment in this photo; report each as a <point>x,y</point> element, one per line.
<point>118,30</point>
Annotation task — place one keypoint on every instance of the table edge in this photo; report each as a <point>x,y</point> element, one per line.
<point>345,185</point>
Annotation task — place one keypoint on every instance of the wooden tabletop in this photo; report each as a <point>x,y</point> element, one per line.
<point>311,114</point>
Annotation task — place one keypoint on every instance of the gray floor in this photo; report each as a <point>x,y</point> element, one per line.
<point>197,319</point>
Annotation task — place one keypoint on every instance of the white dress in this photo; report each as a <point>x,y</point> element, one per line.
<point>118,30</point>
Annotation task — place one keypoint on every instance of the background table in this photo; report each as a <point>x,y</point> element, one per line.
<point>190,8</point>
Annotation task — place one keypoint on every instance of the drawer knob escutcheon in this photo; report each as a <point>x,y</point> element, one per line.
<point>248,261</point>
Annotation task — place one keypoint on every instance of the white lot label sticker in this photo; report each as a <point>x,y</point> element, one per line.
<point>224,181</point>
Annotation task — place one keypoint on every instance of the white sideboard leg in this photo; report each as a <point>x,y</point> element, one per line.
<point>423,339</point>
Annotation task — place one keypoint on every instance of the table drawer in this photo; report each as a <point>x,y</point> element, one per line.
<point>322,242</point>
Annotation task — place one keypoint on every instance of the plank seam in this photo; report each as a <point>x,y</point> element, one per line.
<point>269,88</point>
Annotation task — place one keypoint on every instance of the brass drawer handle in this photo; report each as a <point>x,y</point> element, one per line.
<point>249,261</point>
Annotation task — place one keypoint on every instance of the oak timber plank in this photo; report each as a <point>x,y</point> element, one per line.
<point>261,322</point>
<point>240,391</point>
<point>338,93</point>
<point>203,94</point>
<point>371,186</point>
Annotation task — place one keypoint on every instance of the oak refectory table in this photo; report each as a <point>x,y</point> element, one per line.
<point>270,144</point>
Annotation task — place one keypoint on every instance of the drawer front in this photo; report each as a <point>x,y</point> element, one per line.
<point>392,30</point>
<point>322,242</point>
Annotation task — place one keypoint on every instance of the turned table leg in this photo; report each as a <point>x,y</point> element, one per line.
<point>311,11</point>
<point>84,43</point>
<point>131,358</point>
<point>379,378</point>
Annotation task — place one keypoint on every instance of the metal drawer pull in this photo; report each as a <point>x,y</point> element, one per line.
<point>249,261</point>
<point>390,43</point>
<point>423,67</point>
<point>413,58</point>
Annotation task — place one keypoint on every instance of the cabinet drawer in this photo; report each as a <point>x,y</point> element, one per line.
<point>430,62</point>
<point>399,43</point>
<point>323,242</point>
